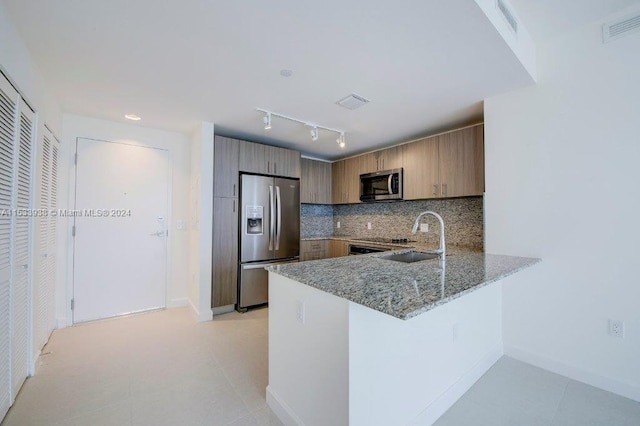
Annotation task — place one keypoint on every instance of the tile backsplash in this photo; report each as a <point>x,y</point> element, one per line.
<point>463,218</point>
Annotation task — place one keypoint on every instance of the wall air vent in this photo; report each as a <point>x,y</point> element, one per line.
<point>353,101</point>
<point>507,15</point>
<point>620,27</point>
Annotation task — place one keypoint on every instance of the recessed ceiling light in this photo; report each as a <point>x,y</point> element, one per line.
<point>286,73</point>
<point>132,117</point>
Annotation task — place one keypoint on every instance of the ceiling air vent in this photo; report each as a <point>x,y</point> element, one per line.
<point>353,101</point>
<point>620,27</point>
<point>507,15</point>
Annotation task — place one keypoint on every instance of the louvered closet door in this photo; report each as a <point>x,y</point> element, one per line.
<point>41,289</point>
<point>51,236</point>
<point>20,296</point>
<point>8,119</point>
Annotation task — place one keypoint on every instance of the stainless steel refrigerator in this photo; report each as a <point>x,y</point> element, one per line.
<point>269,232</point>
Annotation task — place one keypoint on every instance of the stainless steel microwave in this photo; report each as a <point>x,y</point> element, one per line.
<point>385,185</point>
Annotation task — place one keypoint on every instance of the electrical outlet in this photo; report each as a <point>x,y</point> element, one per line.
<point>424,227</point>
<point>368,225</point>
<point>300,312</point>
<point>616,328</point>
<point>338,225</point>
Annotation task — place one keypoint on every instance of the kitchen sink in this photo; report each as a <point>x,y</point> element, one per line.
<point>410,256</point>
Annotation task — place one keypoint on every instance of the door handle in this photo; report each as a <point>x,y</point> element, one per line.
<point>158,234</point>
<point>271,217</point>
<point>279,222</point>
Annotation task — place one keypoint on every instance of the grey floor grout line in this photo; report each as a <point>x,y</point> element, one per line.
<point>555,412</point>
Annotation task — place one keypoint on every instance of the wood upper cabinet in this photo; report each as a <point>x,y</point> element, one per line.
<point>386,159</point>
<point>421,164</point>
<point>315,182</point>
<point>448,165</point>
<point>345,180</point>
<point>226,152</point>
<point>224,271</point>
<point>283,162</point>
<point>462,162</point>
<point>269,160</point>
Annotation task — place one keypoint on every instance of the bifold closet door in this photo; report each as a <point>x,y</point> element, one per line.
<point>8,117</point>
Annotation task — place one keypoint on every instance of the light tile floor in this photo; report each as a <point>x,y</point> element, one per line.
<point>163,368</point>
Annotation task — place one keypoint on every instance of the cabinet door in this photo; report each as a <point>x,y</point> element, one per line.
<point>225,252</point>
<point>313,250</point>
<point>352,180</point>
<point>307,182</point>
<point>323,186</point>
<point>368,163</point>
<point>462,162</point>
<point>283,162</point>
<point>338,248</point>
<point>420,161</point>
<point>338,189</point>
<point>253,158</point>
<point>225,158</point>
<point>390,158</point>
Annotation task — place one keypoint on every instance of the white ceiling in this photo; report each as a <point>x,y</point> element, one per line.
<point>425,65</point>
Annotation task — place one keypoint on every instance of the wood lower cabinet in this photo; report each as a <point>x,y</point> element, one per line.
<point>314,249</point>
<point>226,152</point>
<point>338,248</point>
<point>445,166</point>
<point>269,160</point>
<point>224,272</point>
<point>315,182</point>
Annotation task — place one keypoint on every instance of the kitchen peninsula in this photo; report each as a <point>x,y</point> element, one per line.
<point>368,340</point>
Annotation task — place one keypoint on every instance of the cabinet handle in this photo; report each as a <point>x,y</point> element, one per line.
<point>234,206</point>
<point>444,189</point>
<point>234,189</point>
<point>435,190</point>
<point>268,166</point>
<point>383,164</point>
<point>275,168</point>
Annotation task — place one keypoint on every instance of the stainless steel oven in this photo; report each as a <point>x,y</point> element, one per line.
<point>360,249</point>
<point>385,185</point>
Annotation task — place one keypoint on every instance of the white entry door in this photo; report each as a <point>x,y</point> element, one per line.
<point>120,243</point>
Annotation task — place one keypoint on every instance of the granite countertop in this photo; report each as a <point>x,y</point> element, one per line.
<point>403,290</point>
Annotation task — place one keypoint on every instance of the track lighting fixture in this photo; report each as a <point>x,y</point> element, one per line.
<point>315,128</point>
<point>267,121</point>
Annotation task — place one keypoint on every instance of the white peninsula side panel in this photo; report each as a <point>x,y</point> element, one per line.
<point>308,357</point>
<point>341,363</point>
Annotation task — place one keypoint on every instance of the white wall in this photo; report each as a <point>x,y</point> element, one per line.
<point>562,180</point>
<point>179,148</point>
<point>16,61</point>
<point>201,220</point>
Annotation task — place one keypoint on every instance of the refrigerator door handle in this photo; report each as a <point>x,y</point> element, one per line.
<point>271,217</point>
<point>279,213</point>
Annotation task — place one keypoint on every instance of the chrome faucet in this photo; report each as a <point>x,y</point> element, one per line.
<point>442,250</point>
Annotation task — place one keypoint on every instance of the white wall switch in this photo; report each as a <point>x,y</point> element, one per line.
<point>424,227</point>
<point>300,312</point>
<point>616,328</point>
<point>338,225</point>
<point>368,225</point>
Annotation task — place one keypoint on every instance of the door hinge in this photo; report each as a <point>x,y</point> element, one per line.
<point>167,232</point>
<point>73,231</point>
<point>73,304</point>
<point>75,158</point>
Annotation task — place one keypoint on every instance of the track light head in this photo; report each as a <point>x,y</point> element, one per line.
<point>267,121</point>
<point>340,140</point>
<point>314,133</point>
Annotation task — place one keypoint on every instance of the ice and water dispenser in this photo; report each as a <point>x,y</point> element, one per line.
<point>254,220</point>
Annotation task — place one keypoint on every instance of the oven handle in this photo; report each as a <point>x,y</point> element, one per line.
<point>389,181</point>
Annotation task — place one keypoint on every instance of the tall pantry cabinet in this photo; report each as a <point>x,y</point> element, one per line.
<point>26,304</point>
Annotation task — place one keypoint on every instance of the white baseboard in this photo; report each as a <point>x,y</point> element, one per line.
<point>609,384</point>
<point>178,303</point>
<point>201,316</point>
<point>280,408</point>
<point>61,323</point>
<point>223,310</point>
<point>438,407</point>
